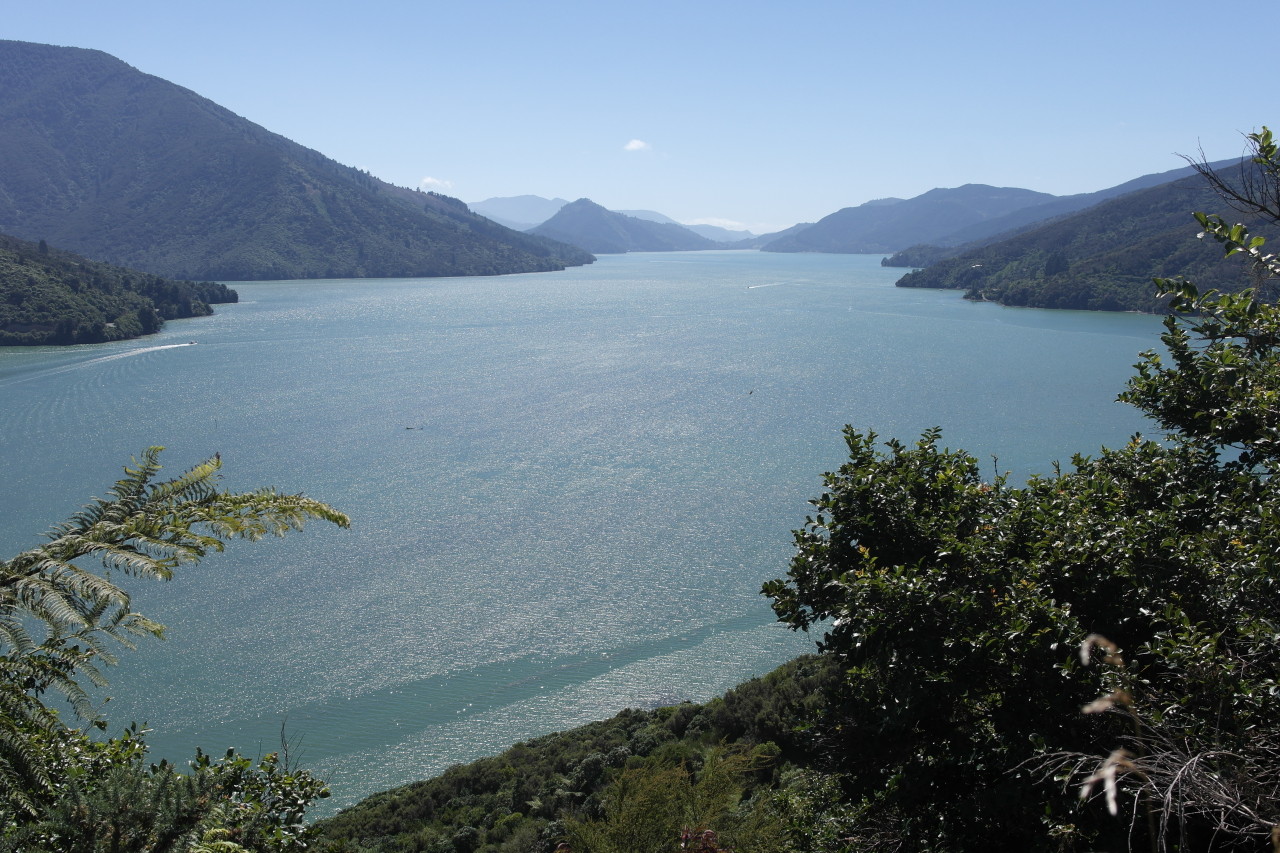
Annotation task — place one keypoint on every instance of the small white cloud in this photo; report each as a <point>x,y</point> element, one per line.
<point>429,183</point>
<point>637,145</point>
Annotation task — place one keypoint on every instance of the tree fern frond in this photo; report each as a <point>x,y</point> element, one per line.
<point>195,484</point>
<point>143,528</point>
<point>14,637</point>
<point>253,515</point>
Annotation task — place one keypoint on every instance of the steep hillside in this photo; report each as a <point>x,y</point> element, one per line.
<point>1102,258</point>
<point>124,167</point>
<point>887,225</point>
<point>1004,227</point>
<point>765,239</point>
<point>537,792</point>
<point>49,296</point>
<point>586,224</point>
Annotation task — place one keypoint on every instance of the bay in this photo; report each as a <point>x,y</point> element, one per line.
<point>566,488</point>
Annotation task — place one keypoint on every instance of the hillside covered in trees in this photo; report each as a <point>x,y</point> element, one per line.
<point>886,225</point>
<point>1102,258</point>
<point>127,168</point>
<point>1023,219</point>
<point>682,766</point>
<point>48,296</point>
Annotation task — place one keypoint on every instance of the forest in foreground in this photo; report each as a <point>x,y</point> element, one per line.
<point>1087,661</point>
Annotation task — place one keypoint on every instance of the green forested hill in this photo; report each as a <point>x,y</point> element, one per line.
<point>1102,258</point>
<point>49,296</point>
<point>887,225</point>
<point>124,167</point>
<point>1024,219</point>
<point>705,766</point>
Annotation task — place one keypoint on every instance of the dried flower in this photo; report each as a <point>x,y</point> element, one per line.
<point>1106,703</point>
<point>1098,641</point>
<point>1117,762</point>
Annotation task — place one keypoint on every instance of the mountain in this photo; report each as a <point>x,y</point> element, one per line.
<point>120,166</point>
<point>520,212</point>
<point>886,225</point>
<point>526,212</point>
<point>650,216</point>
<point>711,232</point>
<point>599,231</point>
<point>765,239</point>
<point>1101,258</point>
<point>1003,227</point>
<point>720,234</point>
<point>49,296</point>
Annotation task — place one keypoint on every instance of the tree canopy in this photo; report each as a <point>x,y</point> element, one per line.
<point>59,623</point>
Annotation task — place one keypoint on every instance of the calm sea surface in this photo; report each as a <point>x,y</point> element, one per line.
<point>566,488</point>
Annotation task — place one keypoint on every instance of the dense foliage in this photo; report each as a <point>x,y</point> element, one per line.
<point>61,790</point>
<point>48,296</point>
<point>130,169</point>
<point>642,774</point>
<point>957,607</point>
<point>1101,259</point>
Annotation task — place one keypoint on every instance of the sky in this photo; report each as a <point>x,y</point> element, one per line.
<point>745,114</point>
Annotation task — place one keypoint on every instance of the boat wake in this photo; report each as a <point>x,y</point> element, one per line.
<point>67,368</point>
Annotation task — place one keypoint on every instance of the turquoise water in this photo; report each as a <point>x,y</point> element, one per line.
<point>566,488</point>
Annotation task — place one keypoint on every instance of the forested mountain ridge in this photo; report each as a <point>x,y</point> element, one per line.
<point>1102,258</point>
<point>601,231</point>
<point>887,225</point>
<point>48,296</point>
<point>121,166</point>
<point>1024,219</point>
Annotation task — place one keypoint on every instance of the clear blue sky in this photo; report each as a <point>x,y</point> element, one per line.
<point>762,114</point>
